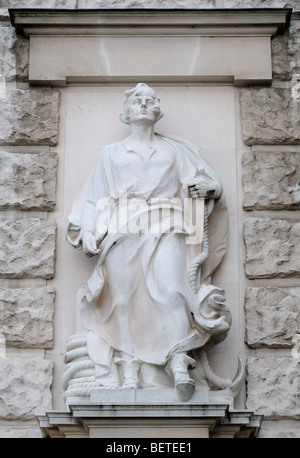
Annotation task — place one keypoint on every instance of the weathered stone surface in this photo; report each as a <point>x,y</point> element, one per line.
<point>284,429</point>
<point>14,55</point>
<point>286,53</point>
<point>270,116</point>
<point>146,4</point>
<point>294,47</point>
<point>27,248</point>
<point>38,3</point>
<point>272,248</point>
<point>271,180</point>
<point>26,316</point>
<point>273,386</point>
<point>28,181</point>
<point>262,4</point>
<point>18,432</point>
<point>5,4</point>
<point>280,57</point>
<point>29,117</point>
<point>25,387</point>
<point>272,316</point>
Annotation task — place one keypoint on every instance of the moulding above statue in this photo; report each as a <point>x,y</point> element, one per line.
<point>160,46</point>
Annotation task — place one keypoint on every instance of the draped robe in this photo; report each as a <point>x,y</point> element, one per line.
<point>139,300</point>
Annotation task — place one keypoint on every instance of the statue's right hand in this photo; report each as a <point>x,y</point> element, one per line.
<point>89,244</point>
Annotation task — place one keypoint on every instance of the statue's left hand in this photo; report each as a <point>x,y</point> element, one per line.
<point>200,190</point>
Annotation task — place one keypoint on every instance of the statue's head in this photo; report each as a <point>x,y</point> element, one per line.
<point>141,92</point>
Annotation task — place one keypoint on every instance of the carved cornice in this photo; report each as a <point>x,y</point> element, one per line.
<point>223,46</point>
<point>219,22</point>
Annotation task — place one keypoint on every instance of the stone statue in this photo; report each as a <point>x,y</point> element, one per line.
<point>149,310</point>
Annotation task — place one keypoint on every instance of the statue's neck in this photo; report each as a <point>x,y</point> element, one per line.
<point>142,134</point>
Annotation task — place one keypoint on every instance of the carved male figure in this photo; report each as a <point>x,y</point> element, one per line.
<point>144,316</point>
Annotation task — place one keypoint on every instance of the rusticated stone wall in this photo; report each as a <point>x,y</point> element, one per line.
<point>29,121</point>
<point>28,181</point>
<point>271,197</point>
<point>26,316</point>
<point>270,181</point>
<point>277,178</point>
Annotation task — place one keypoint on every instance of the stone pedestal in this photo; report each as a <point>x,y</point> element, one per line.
<point>149,414</point>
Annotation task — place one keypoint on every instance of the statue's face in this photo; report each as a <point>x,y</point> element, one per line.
<point>140,108</point>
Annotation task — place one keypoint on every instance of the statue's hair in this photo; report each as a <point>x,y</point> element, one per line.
<point>139,89</point>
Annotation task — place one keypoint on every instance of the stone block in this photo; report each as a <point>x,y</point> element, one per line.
<point>14,55</point>
<point>27,248</point>
<point>20,431</point>
<point>271,180</point>
<point>286,53</point>
<point>273,386</point>
<point>284,429</point>
<point>280,57</point>
<point>294,47</point>
<point>262,4</point>
<point>26,317</point>
<point>5,4</point>
<point>272,248</point>
<point>29,117</point>
<point>25,387</point>
<point>28,181</point>
<point>272,316</point>
<point>146,4</point>
<point>270,116</point>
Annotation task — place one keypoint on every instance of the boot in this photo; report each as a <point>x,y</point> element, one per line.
<point>130,372</point>
<point>178,366</point>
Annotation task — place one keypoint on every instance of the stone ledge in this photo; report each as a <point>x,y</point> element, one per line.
<point>26,20</point>
<point>126,36</point>
<point>146,4</point>
<point>150,420</point>
<point>147,396</point>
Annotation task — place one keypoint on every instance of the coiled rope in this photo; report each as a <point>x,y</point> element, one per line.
<point>199,260</point>
<point>217,381</point>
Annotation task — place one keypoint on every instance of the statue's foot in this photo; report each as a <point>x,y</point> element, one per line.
<point>130,371</point>
<point>179,365</point>
<point>185,389</point>
<point>129,383</point>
